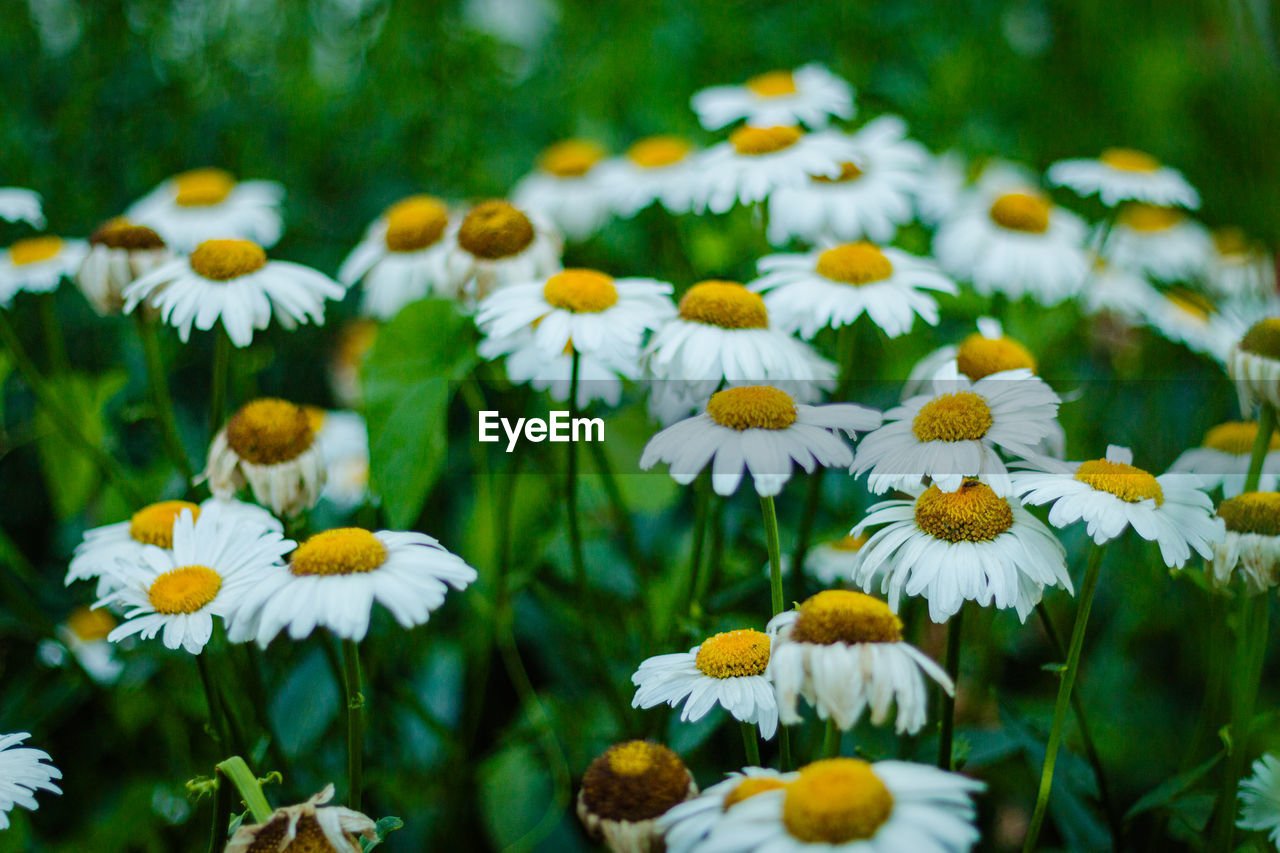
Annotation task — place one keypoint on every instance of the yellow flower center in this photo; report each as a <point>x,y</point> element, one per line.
<point>849,543</point>
<point>184,590</point>
<point>1149,218</point>
<point>1129,160</point>
<point>1231,241</point>
<point>854,263</point>
<point>581,291</point>
<point>120,233</point>
<point>772,84</point>
<point>571,158</point>
<point>316,417</point>
<point>654,152</point>
<point>270,431</point>
<point>1237,438</point>
<point>309,837</point>
<point>223,260</point>
<point>749,787</point>
<point>959,416</point>
<point>844,616</point>
<point>343,551</point>
<point>1127,482</point>
<point>33,250</point>
<point>89,626</point>
<point>354,342</point>
<point>752,407</point>
<point>733,654</point>
<point>1263,338</point>
<point>153,525</point>
<point>636,780</point>
<point>848,172</point>
<point>979,356</point>
<point>726,304</point>
<point>495,230</point>
<point>415,223</point>
<point>1021,212</point>
<point>836,801</point>
<point>972,513</point>
<point>1252,512</point>
<point>754,141</point>
<point>203,187</point>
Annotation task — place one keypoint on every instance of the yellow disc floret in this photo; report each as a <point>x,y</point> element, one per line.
<point>845,616</point>
<point>202,187</point>
<point>726,304</point>
<point>1021,212</point>
<point>33,250</point>
<point>88,625</point>
<point>495,230</point>
<point>342,551</point>
<point>959,416</point>
<point>223,260</point>
<point>1232,243</point>
<point>1237,438</point>
<point>415,223</point>
<point>854,263</point>
<point>1147,218</point>
<point>849,543</point>
<point>184,590</point>
<point>1263,338</point>
<point>1252,512</point>
<point>752,407</point>
<point>153,525</point>
<point>772,84</point>
<point>270,431</point>
<point>733,654</point>
<point>848,172</point>
<point>120,233</point>
<point>581,291</point>
<point>1127,482</point>
<point>1129,160</point>
<point>979,356</point>
<point>654,152</point>
<point>754,141</point>
<point>635,780</point>
<point>836,801</point>
<point>749,787</point>
<point>972,513</point>
<point>571,158</point>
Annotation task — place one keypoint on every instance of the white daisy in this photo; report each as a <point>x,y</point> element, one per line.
<point>1111,494</point>
<point>1187,318</point>
<point>342,439</point>
<point>1251,547</point>
<point>334,578</point>
<point>949,184</point>
<point>984,352</point>
<point>401,258</point>
<point>1222,459</point>
<point>1119,290</point>
<point>832,288</point>
<point>843,652</point>
<point>269,445</point>
<point>209,204</point>
<point>835,560</point>
<point>757,160</point>
<point>21,205</point>
<point>23,771</point>
<point>38,265</point>
<point>869,200</point>
<point>119,252</point>
<point>952,432</point>
<point>232,281</point>
<point>313,825</point>
<point>1254,364</point>
<point>686,825</point>
<point>566,188</point>
<point>726,670</point>
<point>625,790</point>
<point>176,593</point>
<point>1260,799</point>
<point>659,169</point>
<point>1123,174</point>
<point>496,245</point>
<point>83,635</point>
<point>809,95</point>
<point>1240,268</point>
<point>761,429</point>
<point>1161,242</point>
<point>965,545</point>
<point>599,375</point>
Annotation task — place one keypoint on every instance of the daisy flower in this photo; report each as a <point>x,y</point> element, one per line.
<point>833,287</point>
<point>38,264</point>
<point>809,95</point>
<point>119,252</point>
<point>867,200</point>
<point>83,635</point>
<point>496,245</point>
<point>1124,174</point>
<point>686,825</point>
<point>401,258</point>
<point>1020,245</point>
<point>599,374</point>
<point>1189,319</point>
<point>949,183</point>
<point>952,432</point>
<point>586,309</point>
<point>835,560</point>
<point>21,205</point>
<point>761,429</point>
<point>843,652</point>
<point>984,352</point>
<point>355,339</point>
<point>566,188</point>
<point>334,578</point>
<point>1251,547</point>
<point>1222,459</point>
<point>727,670</point>
<point>1254,364</point>
<point>176,593</point>
<point>1240,268</point>
<point>269,445</point>
<point>23,771</point>
<point>658,169</point>
<point>232,281</point>
<point>1161,242</point>
<point>208,204</point>
<point>846,805</point>
<point>624,791</point>
<point>1260,799</point>
<point>1118,290</point>
<point>311,825</point>
<point>342,439</point>
<point>1111,494</point>
<point>966,545</point>
<point>757,160</point>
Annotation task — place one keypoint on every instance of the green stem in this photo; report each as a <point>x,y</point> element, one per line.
<point>775,553</point>
<point>160,395</point>
<point>1261,444</point>
<point>750,743</point>
<point>235,769</point>
<point>621,517</point>
<point>571,486</point>
<point>1064,696</point>
<point>355,721</point>
<point>701,512</point>
<point>217,715</point>
<point>954,627</point>
<point>219,379</point>
<point>831,740</point>
<point>53,339</point>
<point>221,820</point>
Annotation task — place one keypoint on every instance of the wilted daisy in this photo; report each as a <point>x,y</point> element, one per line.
<point>342,439</point>
<point>658,169</point>
<point>83,636</point>
<point>834,287</point>
<point>843,652</point>
<point>269,445</point>
<point>952,432</point>
<point>1222,459</point>
<point>762,430</point>
<point>175,593</point>
<point>1124,174</point>
<point>626,788</point>
<point>869,199</point>
<point>726,670</point>
<point>1161,242</point>
<point>311,826</point>
<point>685,826</point>
<point>835,560</point>
<point>497,244</point>
<point>38,264</point>
<point>21,205</point>
<point>210,204</point>
<point>757,160</point>
<point>846,805</point>
<point>355,339</point>
<point>566,188</point>
<point>119,252</point>
<point>23,771</point>
<point>966,545</point>
<point>1240,268</point>
<point>1251,547</point>
<point>809,95</point>
<point>401,258</point>
<point>334,578</point>
<point>1111,494</point>
<point>1260,799</point>
<point>232,281</point>
<point>1254,365</point>
<point>1019,245</point>
<point>599,374</point>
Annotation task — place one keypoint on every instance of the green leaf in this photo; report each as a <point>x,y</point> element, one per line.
<point>72,477</point>
<point>383,828</point>
<point>515,792</point>
<point>1164,793</point>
